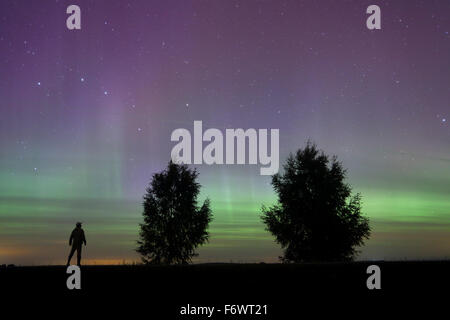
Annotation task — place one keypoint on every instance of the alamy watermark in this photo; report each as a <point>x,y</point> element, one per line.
<point>235,140</point>
<point>73,22</point>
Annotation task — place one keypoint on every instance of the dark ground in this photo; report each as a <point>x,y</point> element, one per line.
<point>286,289</point>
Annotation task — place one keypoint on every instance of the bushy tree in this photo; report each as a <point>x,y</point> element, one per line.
<point>316,217</point>
<point>174,225</point>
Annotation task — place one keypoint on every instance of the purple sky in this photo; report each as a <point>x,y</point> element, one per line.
<point>86,116</point>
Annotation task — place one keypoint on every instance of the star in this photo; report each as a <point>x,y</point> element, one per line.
<point>82,79</point>
<point>39,83</point>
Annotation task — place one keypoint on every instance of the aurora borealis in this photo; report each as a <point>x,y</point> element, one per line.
<point>86,117</point>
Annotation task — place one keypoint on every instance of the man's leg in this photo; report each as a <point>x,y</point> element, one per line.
<point>72,251</point>
<point>79,255</point>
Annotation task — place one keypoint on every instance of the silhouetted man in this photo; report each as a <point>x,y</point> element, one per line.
<point>77,239</point>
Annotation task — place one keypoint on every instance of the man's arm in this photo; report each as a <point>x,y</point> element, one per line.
<point>84,238</point>
<point>70,240</point>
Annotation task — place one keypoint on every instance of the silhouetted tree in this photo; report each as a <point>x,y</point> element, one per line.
<point>173,223</point>
<point>316,217</point>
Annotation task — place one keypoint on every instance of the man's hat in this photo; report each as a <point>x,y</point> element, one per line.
<point>78,224</point>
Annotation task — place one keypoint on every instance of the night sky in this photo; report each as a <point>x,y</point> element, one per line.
<point>86,117</point>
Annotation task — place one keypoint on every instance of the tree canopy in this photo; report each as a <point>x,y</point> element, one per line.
<point>316,218</point>
<point>174,225</point>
